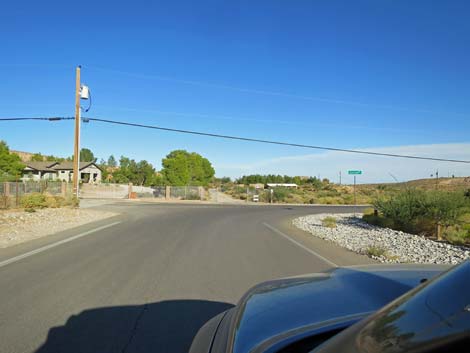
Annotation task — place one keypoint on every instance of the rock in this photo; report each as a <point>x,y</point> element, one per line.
<point>358,236</point>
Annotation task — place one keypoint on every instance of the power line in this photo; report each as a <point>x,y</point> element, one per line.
<point>274,142</point>
<point>54,118</point>
<point>248,139</point>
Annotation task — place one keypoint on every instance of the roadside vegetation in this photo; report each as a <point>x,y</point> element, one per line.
<point>329,222</point>
<point>309,191</point>
<point>440,215</point>
<point>34,201</point>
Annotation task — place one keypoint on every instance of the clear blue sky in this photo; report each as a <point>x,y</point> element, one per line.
<point>351,74</point>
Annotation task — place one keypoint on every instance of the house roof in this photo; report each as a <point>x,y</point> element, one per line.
<point>69,165</point>
<point>42,166</point>
<point>281,184</point>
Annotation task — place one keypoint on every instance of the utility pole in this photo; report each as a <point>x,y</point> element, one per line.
<point>437,179</point>
<point>340,177</point>
<point>76,150</point>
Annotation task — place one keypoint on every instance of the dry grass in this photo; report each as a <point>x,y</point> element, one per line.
<point>329,222</point>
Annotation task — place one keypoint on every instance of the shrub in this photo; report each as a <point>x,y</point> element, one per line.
<point>375,251</point>
<point>33,201</point>
<point>379,221</point>
<point>71,201</point>
<point>329,222</point>
<point>404,207</point>
<point>54,201</point>
<point>280,194</point>
<point>459,234</point>
<point>419,212</point>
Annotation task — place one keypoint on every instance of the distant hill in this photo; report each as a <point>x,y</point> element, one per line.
<point>450,184</point>
<point>25,156</point>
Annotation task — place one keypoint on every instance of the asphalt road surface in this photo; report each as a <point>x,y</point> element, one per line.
<point>148,279</point>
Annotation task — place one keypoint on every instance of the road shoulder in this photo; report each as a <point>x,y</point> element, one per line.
<point>46,241</point>
<point>329,250</point>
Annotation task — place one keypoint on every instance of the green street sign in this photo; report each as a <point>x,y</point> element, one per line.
<point>355,172</point>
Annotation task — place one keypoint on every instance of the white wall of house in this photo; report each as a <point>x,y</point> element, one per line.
<point>94,172</point>
<point>35,175</point>
<point>64,175</point>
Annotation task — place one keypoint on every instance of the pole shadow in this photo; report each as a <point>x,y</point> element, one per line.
<point>167,326</point>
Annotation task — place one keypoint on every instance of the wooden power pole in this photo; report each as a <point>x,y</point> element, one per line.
<point>76,149</point>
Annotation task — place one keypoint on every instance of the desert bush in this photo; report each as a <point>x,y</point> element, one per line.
<point>404,207</point>
<point>329,222</point>
<point>375,251</point>
<point>379,220</point>
<point>53,202</point>
<point>280,194</point>
<point>458,234</point>
<point>71,201</point>
<point>419,212</point>
<point>33,201</point>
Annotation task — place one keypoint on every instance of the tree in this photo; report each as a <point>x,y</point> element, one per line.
<point>37,157</point>
<point>86,155</point>
<point>54,159</point>
<point>138,173</point>
<point>112,161</point>
<point>181,167</point>
<point>10,163</point>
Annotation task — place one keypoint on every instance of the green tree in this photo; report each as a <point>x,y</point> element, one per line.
<point>10,163</point>
<point>138,173</point>
<point>37,157</point>
<point>181,167</point>
<point>112,161</point>
<point>86,155</point>
<point>54,159</point>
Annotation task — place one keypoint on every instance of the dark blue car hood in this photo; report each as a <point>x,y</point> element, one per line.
<point>275,313</point>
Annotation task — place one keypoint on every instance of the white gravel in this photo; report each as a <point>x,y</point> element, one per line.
<point>356,235</point>
<point>17,226</point>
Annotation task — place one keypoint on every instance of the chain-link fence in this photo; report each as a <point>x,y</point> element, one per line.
<point>12,192</point>
<point>169,192</point>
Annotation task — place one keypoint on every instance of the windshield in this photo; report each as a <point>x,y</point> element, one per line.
<point>159,159</point>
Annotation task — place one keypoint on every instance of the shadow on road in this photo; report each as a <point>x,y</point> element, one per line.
<point>167,326</point>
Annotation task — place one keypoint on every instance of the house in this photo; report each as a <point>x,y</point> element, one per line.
<point>40,171</point>
<point>281,185</point>
<point>90,172</point>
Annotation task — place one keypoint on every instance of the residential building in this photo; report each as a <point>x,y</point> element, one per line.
<point>90,172</point>
<point>40,171</point>
<point>282,185</point>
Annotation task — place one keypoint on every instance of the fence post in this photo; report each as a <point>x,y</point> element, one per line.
<point>167,192</point>
<point>7,188</point>
<point>6,191</point>
<point>129,191</point>
<point>63,189</point>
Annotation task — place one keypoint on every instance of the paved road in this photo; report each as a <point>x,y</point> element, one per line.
<point>148,283</point>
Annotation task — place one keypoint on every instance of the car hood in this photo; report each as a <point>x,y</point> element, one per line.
<point>275,313</point>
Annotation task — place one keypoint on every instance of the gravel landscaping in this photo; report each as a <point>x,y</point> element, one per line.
<point>383,244</point>
<point>20,226</point>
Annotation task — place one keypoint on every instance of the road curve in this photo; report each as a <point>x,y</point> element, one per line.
<point>147,282</point>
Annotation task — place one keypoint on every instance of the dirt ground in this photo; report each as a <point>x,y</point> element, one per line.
<point>18,226</point>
